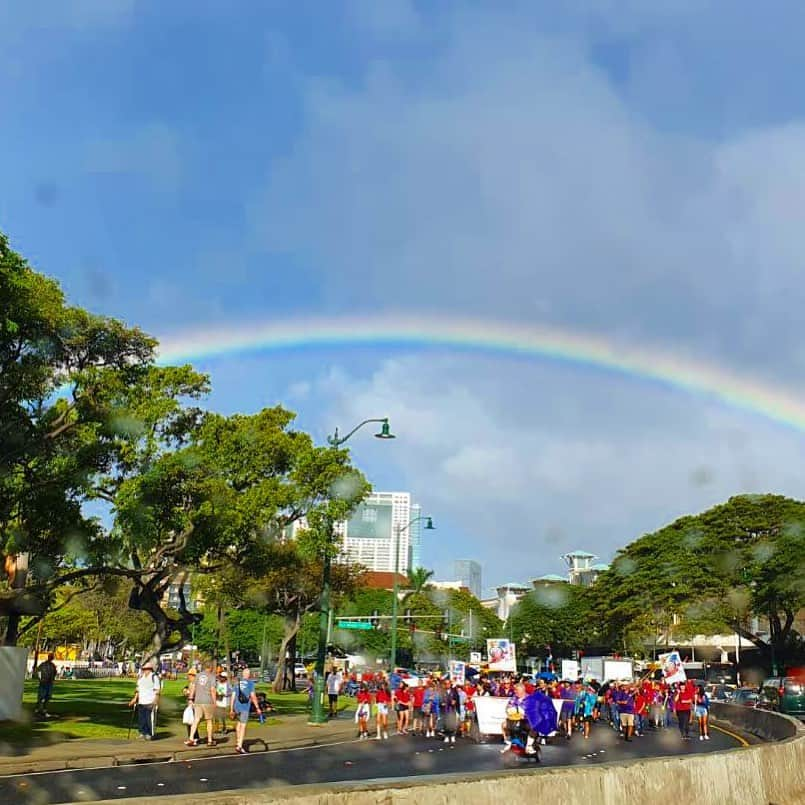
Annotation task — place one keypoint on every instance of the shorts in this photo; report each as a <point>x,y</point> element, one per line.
<point>220,712</point>
<point>242,716</point>
<point>701,712</point>
<point>418,713</point>
<point>45,691</point>
<point>382,709</point>
<point>627,719</point>
<point>588,719</point>
<point>332,697</point>
<point>204,711</point>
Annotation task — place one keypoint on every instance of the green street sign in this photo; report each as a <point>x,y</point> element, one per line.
<point>354,625</point>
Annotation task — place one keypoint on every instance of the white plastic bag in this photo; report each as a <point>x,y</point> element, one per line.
<point>187,716</point>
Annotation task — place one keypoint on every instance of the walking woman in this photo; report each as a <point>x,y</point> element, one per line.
<point>402,704</point>
<point>382,702</point>
<point>364,699</point>
<point>702,711</point>
<point>242,700</point>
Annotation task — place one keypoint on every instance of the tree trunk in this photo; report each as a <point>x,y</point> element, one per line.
<point>292,626</point>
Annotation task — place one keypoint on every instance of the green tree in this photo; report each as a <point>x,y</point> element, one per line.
<point>418,579</point>
<point>55,362</point>
<point>556,615</point>
<point>711,571</point>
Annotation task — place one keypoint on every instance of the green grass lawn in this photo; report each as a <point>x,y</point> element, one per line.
<point>98,708</point>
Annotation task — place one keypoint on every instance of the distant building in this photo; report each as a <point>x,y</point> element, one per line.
<point>468,572</point>
<point>548,580</point>
<point>182,584</point>
<point>448,585</point>
<point>581,568</point>
<point>507,596</point>
<point>370,535</point>
<point>378,580</point>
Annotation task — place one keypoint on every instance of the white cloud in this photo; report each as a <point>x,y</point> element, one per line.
<point>513,180</point>
<point>515,476</point>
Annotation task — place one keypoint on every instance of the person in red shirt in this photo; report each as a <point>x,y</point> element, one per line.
<point>364,699</point>
<point>683,704</point>
<point>641,701</point>
<point>402,704</point>
<point>417,697</point>
<point>383,702</point>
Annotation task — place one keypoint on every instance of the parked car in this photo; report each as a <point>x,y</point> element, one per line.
<point>719,693</point>
<point>785,695</point>
<point>300,671</point>
<point>750,697</point>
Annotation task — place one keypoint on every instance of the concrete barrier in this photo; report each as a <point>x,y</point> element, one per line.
<point>765,774</point>
<point>764,723</point>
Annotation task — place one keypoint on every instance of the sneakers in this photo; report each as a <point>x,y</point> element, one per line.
<point>506,746</point>
<point>446,739</point>
<point>707,737</point>
<point>385,735</point>
<point>701,737</point>
<point>452,739</point>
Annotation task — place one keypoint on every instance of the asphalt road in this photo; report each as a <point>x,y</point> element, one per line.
<point>399,757</point>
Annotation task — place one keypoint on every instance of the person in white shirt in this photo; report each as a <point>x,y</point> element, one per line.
<point>334,683</point>
<point>223,693</point>
<point>146,699</point>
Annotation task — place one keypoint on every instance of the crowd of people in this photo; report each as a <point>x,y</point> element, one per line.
<point>439,706</point>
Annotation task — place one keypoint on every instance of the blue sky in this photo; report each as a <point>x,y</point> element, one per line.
<point>615,167</point>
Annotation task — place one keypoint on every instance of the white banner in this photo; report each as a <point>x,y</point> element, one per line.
<point>457,671</point>
<point>491,711</point>
<point>501,654</point>
<point>672,667</point>
<point>475,658</point>
<point>570,670</point>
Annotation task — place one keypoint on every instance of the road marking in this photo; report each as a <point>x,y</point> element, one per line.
<point>739,738</point>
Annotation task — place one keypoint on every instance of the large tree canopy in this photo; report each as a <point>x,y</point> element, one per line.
<point>56,363</point>
<point>713,571</point>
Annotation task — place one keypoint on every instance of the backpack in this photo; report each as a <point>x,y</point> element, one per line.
<point>242,697</point>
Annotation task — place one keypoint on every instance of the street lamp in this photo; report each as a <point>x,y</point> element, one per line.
<point>318,715</point>
<point>398,533</point>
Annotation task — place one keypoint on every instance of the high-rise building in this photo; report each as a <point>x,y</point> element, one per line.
<point>468,572</point>
<point>370,535</point>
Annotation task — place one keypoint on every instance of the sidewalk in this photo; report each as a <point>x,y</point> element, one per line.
<point>293,732</point>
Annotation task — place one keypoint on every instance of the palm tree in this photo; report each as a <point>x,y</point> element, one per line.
<point>418,579</point>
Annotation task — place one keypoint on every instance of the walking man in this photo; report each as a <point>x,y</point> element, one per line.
<point>335,681</point>
<point>202,694</point>
<point>47,676</point>
<point>146,699</point>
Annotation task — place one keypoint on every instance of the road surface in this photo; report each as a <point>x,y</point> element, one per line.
<point>399,757</point>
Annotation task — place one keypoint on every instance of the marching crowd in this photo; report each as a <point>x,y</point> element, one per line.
<point>437,706</point>
<point>447,707</point>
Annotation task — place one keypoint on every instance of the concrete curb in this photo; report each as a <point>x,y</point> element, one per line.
<point>154,753</point>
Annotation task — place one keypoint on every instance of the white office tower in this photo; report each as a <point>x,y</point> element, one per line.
<point>369,537</point>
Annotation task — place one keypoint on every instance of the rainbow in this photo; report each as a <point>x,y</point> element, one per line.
<point>550,343</point>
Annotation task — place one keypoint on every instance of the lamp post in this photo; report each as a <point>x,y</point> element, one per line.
<point>399,530</point>
<point>318,716</point>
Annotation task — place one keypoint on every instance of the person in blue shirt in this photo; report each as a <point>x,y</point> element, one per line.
<point>243,697</point>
